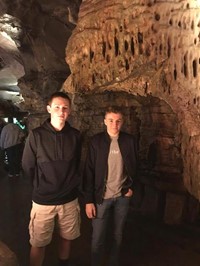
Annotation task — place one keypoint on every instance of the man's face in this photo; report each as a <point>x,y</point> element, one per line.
<point>59,109</point>
<point>113,123</point>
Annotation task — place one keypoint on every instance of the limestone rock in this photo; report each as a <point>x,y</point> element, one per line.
<point>143,48</point>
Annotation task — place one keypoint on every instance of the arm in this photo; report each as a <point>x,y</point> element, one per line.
<point>129,193</point>
<point>2,139</point>
<point>90,210</point>
<point>135,161</point>
<point>131,165</point>
<point>29,156</point>
<point>89,176</point>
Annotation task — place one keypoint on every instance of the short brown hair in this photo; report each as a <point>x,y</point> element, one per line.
<point>114,109</point>
<point>58,94</point>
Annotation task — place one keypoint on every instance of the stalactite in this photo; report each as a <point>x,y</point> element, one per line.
<point>108,58</point>
<point>132,47</point>
<point>175,73</point>
<point>194,67</point>
<point>116,46</point>
<point>185,70</point>
<point>126,64</point>
<point>104,49</point>
<point>126,45</point>
<point>91,55</point>
<point>161,48</point>
<point>168,48</point>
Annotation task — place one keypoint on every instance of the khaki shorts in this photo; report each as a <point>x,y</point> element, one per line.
<point>43,218</point>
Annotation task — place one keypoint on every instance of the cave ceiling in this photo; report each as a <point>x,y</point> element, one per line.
<point>33,37</point>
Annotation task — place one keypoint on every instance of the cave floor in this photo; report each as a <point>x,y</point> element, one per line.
<point>145,243</point>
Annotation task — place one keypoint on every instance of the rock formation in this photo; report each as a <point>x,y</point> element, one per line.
<point>146,49</point>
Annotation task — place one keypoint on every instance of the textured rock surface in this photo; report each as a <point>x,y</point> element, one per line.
<point>143,48</point>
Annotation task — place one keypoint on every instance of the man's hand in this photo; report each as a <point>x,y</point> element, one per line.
<point>90,210</point>
<point>129,193</point>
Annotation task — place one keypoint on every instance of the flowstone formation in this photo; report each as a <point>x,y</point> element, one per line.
<point>144,48</point>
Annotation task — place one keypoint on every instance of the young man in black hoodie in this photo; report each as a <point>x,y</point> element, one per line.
<point>51,159</point>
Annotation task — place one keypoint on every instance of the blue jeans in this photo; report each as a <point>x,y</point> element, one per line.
<point>118,208</point>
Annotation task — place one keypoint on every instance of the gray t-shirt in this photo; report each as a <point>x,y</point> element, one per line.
<point>115,177</point>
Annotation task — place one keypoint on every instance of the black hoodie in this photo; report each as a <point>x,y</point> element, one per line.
<point>51,159</point>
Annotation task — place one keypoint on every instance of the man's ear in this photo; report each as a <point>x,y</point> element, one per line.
<point>48,108</point>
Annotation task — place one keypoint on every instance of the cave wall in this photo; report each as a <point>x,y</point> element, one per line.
<point>155,125</point>
<point>143,48</point>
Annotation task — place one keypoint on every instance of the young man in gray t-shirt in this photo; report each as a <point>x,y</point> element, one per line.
<point>108,184</point>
